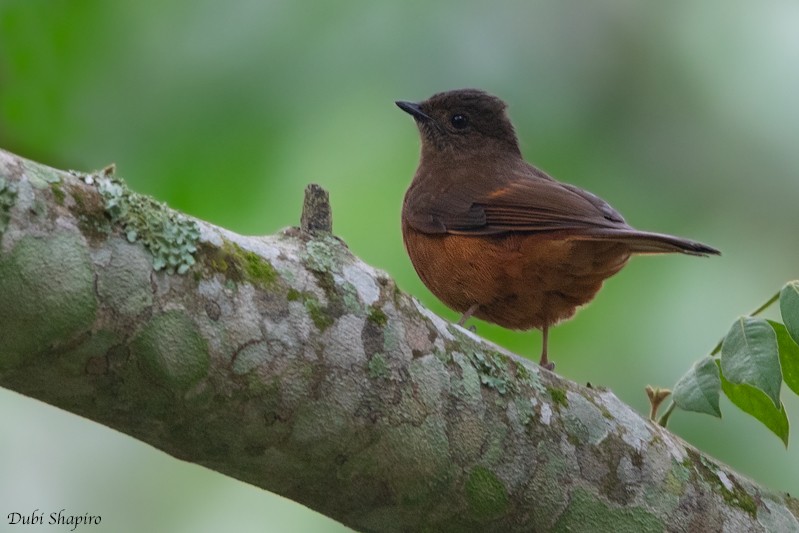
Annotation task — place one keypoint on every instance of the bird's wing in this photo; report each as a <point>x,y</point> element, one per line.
<point>543,206</point>
<point>529,202</point>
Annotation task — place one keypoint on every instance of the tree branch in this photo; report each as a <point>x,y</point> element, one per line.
<point>287,363</point>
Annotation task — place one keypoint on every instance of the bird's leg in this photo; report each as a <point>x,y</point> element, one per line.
<point>468,314</point>
<point>546,363</point>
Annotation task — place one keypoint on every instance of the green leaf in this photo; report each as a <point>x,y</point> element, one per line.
<point>789,308</point>
<point>749,355</point>
<point>698,390</point>
<point>789,356</point>
<point>754,402</point>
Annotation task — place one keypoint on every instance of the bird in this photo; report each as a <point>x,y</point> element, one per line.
<point>494,237</point>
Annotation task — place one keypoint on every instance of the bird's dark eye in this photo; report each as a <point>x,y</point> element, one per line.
<point>459,121</point>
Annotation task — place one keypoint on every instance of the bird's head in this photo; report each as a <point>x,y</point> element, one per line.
<point>464,120</point>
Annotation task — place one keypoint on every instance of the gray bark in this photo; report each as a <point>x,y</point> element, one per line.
<point>287,363</point>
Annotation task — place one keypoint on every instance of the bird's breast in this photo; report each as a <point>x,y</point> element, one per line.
<point>519,281</point>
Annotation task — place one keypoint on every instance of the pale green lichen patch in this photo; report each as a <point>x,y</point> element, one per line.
<point>171,350</point>
<point>323,255</point>
<point>528,377</point>
<point>46,294</point>
<point>169,236</point>
<point>349,297</point>
<point>676,479</point>
<point>524,411</point>
<point>492,368</point>
<point>586,508</point>
<point>8,195</point>
<point>442,355</point>
<point>665,496</point>
<point>431,380</point>
<point>40,176</point>
<point>393,337</point>
<point>496,370</point>
<point>378,367</point>
<point>485,493</point>
<point>467,386</point>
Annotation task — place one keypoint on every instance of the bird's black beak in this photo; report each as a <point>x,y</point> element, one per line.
<point>414,110</point>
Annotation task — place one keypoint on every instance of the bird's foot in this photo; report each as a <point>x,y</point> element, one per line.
<point>469,312</point>
<point>545,362</point>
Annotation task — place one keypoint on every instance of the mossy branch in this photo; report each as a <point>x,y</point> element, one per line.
<point>287,363</point>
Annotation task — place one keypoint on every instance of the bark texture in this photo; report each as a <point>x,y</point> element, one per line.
<point>287,363</point>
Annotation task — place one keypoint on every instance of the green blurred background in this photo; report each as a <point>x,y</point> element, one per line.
<point>683,115</point>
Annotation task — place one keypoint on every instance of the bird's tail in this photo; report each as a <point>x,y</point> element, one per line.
<point>644,242</point>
